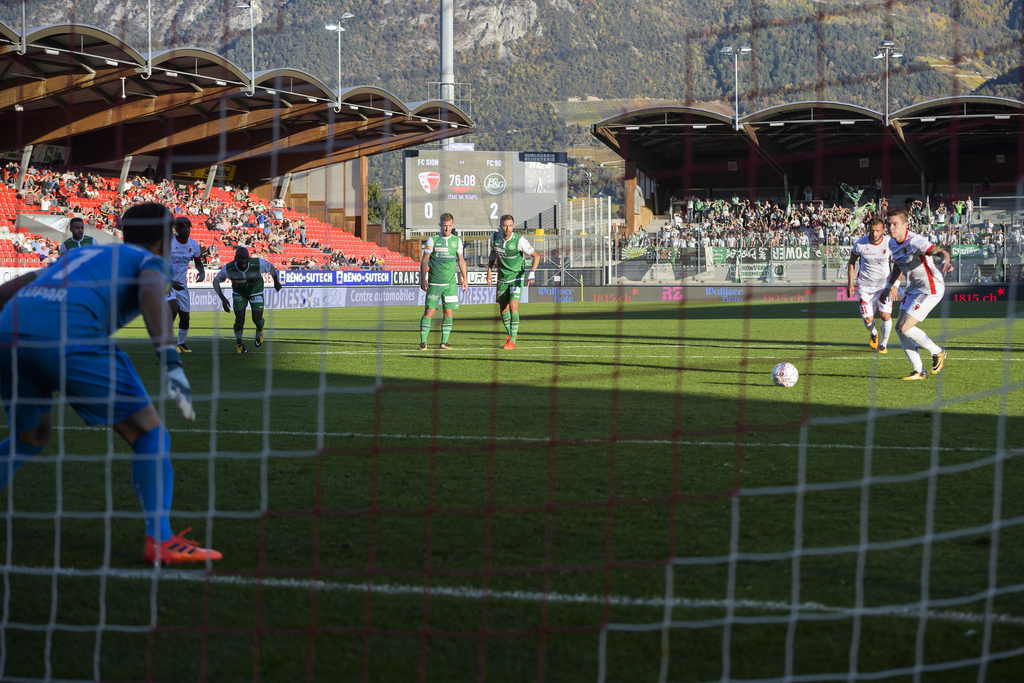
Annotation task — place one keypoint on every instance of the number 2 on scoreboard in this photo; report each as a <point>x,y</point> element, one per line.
<point>494,211</point>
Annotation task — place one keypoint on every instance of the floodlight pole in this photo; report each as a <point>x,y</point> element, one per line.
<point>736,52</point>
<point>149,32</point>
<point>885,50</point>
<point>338,27</point>
<point>247,4</point>
<point>23,48</point>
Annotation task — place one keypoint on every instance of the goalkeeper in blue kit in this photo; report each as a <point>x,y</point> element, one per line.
<point>55,329</point>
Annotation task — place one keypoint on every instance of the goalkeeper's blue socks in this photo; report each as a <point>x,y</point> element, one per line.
<point>153,481</point>
<point>22,452</point>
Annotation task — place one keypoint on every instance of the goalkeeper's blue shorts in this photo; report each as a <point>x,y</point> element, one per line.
<point>100,383</point>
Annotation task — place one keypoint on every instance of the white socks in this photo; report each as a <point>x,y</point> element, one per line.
<point>182,333</point>
<point>869,325</point>
<point>910,348</point>
<point>886,331</point>
<point>918,335</point>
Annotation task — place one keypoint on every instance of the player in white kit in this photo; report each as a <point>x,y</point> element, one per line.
<point>872,277</point>
<point>183,249</point>
<point>912,255</point>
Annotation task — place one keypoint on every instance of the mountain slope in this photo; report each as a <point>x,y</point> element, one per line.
<point>521,55</point>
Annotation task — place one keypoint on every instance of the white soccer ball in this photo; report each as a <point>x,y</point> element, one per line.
<point>785,374</point>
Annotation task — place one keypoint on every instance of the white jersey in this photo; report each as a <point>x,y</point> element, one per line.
<point>181,255</point>
<point>874,268</point>
<point>912,257</point>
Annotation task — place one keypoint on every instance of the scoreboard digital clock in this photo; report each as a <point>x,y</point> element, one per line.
<point>477,188</point>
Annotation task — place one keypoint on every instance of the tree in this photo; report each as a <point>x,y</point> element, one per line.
<point>385,207</point>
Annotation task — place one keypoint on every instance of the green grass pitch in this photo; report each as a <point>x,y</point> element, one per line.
<point>612,439</point>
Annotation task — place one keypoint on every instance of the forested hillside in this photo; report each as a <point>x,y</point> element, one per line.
<point>521,55</point>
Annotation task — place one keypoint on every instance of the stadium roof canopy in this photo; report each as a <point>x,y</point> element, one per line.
<point>950,142</point>
<point>87,90</point>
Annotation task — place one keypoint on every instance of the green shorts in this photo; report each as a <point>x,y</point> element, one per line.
<point>443,296</point>
<point>240,301</point>
<point>510,291</point>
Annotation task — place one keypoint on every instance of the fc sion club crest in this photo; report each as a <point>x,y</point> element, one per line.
<point>429,181</point>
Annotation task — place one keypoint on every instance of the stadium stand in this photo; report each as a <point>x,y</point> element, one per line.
<point>227,219</point>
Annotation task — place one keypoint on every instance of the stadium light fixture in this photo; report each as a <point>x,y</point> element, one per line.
<point>311,99</point>
<point>338,27</point>
<point>776,124</point>
<point>1002,117</point>
<point>887,51</point>
<point>110,62</point>
<point>220,82</point>
<point>632,127</point>
<point>735,52</point>
<point>242,4</point>
<point>171,74</point>
<point>927,119</point>
<point>51,52</point>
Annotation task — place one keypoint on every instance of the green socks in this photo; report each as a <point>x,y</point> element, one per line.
<point>424,328</point>
<point>514,327</point>
<point>506,317</point>
<point>446,329</point>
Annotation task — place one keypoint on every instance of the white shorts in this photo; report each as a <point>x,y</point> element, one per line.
<point>919,304</point>
<point>869,303</point>
<point>181,296</point>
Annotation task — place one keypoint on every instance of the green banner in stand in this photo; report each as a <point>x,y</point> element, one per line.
<point>970,251</point>
<point>723,255</point>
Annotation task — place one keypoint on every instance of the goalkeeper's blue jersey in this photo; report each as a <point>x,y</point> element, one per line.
<point>83,298</point>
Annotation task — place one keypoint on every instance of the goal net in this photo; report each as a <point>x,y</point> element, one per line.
<point>593,477</point>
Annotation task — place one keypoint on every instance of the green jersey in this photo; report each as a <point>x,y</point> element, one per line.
<point>245,282</point>
<point>444,259</point>
<point>70,243</point>
<point>510,255</point>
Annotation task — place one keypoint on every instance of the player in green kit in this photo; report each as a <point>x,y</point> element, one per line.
<point>78,238</point>
<point>509,250</point>
<point>442,262</point>
<point>246,275</point>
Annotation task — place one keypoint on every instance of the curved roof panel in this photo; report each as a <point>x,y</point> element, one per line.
<point>830,110</point>
<point>439,110</point>
<point>293,81</point>
<point>9,34</point>
<point>197,62</point>
<point>968,104</point>
<point>650,116</point>
<point>88,43</point>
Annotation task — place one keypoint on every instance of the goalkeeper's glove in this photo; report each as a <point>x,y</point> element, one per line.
<point>178,388</point>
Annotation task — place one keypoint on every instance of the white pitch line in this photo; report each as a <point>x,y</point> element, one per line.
<point>465,593</point>
<point>531,439</point>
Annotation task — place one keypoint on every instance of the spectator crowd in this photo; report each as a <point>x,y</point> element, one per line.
<point>238,217</point>
<point>736,223</point>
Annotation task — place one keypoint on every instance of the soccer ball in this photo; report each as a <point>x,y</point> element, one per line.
<point>785,375</point>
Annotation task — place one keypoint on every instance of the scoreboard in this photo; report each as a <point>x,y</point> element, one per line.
<point>477,188</point>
